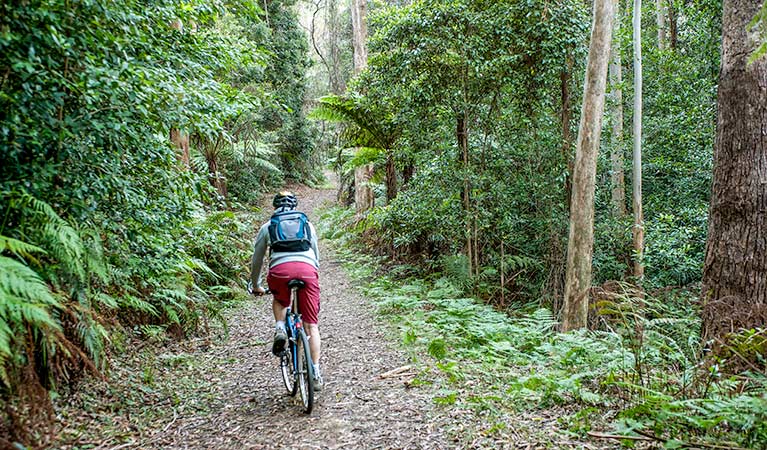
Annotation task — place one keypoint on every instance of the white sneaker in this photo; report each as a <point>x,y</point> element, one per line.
<point>280,338</point>
<point>318,384</point>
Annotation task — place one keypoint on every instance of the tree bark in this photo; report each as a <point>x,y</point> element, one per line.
<point>180,140</point>
<point>218,181</point>
<point>407,172</point>
<point>734,293</point>
<point>673,33</point>
<point>660,16</point>
<point>337,85</point>
<point>636,165</point>
<point>363,194</point>
<point>581,236</point>
<point>567,115</point>
<point>391,177</point>
<point>616,138</point>
<point>462,135</point>
<point>360,32</point>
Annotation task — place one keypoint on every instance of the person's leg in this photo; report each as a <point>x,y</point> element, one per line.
<point>309,305</point>
<point>278,284</point>
<point>279,311</point>
<point>314,341</point>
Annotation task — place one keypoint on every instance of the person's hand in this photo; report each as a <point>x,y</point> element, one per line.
<point>258,290</point>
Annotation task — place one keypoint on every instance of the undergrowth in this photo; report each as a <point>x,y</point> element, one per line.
<point>639,373</point>
<point>70,297</point>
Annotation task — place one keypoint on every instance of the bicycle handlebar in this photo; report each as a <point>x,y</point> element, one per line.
<point>257,294</point>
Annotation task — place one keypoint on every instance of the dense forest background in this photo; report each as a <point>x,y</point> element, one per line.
<point>137,136</point>
<point>130,130</point>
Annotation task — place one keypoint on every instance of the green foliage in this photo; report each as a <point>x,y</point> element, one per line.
<point>759,23</point>
<point>644,361</point>
<point>103,230</point>
<point>285,77</point>
<point>500,67</point>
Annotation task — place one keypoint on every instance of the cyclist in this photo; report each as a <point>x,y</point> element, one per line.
<point>283,267</point>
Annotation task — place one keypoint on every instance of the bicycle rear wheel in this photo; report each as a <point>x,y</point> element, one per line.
<point>305,372</point>
<point>286,368</point>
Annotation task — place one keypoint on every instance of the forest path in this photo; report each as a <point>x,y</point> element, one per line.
<point>227,393</point>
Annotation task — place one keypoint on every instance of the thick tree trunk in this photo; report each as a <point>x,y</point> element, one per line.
<point>360,32</point>
<point>636,165</point>
<point>581,236</point>
<point>616,138</point>
<point>735,269</point>
<point>363,194</point>
<point>391,177</point>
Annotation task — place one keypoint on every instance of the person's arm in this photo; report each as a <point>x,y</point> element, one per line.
<point>315,247</point>
<point>257,261</point>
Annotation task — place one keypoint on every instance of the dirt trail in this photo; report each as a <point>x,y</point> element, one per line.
<point>226,393</point>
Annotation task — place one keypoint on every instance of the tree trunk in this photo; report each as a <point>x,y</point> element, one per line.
<point>672,27</point>
<point>581,236</point>
<point>337,85</point>
<point>735,268</point>
<point>636,165</point>
<point>462,135</point>
<point>363,194</point>
<point>216,180</point>
<point>360,32</point>
<point>391,177</point>
<point>567,114</point>
<point>660,16</point>
<point>407,172</point>
<point>180,140</point>
<point>616,138</point>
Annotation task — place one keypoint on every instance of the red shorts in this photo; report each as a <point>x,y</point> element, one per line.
<point>308,297</point>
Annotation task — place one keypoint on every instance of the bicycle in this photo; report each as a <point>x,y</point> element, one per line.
<point>296,361</point>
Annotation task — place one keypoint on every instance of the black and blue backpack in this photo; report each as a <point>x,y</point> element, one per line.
<point>289,232</point>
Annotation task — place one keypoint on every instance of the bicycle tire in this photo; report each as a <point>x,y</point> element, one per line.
<point>286,369</point>
<point>305,372</point>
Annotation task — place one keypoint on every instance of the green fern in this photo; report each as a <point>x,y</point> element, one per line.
<point>20,248</point>
<point>363,127</point>
<point>25,301</point>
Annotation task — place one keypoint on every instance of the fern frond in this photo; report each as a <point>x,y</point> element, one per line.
<point>66,246</point>
<point>19,281</point>
<point>20,248</point>
<point>132,302</point>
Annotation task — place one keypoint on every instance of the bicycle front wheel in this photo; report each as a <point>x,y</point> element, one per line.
<point>305,372</point>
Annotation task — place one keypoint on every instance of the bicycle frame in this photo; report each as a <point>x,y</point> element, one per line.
<point>293,323</point>
<point>301,361</point>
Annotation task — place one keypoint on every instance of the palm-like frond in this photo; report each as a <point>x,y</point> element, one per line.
<point>366,128</point>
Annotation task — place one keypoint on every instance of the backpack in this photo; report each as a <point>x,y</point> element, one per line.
<point>289,232</point>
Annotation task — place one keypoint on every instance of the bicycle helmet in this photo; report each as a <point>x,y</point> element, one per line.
<point>285,199</point>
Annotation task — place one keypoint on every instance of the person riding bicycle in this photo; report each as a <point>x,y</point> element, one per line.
<point>297,259</point>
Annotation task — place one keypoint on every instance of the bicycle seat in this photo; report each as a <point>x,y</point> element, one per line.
<point>298,284</point>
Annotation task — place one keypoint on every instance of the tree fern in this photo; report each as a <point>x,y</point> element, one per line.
<point>364,128</point>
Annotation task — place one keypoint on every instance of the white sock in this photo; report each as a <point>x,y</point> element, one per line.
<point>279,325</point>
